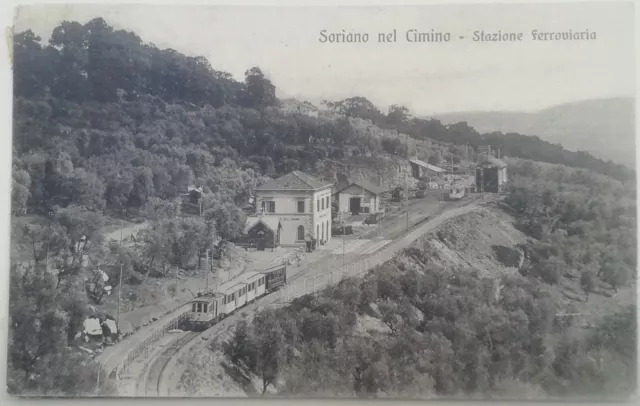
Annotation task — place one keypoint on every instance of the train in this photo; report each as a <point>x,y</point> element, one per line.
<point>210,308</point>
<point>456,192</point>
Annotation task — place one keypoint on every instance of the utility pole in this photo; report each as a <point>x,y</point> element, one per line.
<point>46,258</point>
<point>206,288</point>
<point>482,181</point>
<point>406,184</point>
<point>119,281</point>
<point>344,227</point>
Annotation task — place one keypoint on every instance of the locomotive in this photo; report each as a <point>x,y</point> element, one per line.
<point>209,308</point>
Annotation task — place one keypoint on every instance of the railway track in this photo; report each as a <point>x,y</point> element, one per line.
<point>158,364</point>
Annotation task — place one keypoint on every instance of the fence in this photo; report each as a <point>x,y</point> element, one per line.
<point>315,283</point>
<point>141,347</point>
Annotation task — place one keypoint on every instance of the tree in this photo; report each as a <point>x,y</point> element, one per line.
<point>587,282</point>
<point>42,322</point>
<point>260,91</point>
<point>81,236</point>
<point>241,350</point>
<point>269,342</point>
<point>397,114</point>
<point>615,273</point>
<point>20,193</point>
<point>229,222</point>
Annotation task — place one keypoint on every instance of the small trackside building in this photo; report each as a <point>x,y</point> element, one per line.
<point>360,197</point>
<point>491,175</point>
<point>302,205</point>
<point>261,232</point>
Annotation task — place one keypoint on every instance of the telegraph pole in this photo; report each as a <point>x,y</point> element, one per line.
<point>344,227</point>
<point>46,258</point>
<point>406,184</point>
<point>119,280</point>
<point>206,288</point>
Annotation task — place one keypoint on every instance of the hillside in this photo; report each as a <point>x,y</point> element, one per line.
<point>603,127</point>
<point>453,316</point>
<point>532,299</point>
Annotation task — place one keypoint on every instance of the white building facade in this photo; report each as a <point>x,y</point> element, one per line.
<point>302,203</point>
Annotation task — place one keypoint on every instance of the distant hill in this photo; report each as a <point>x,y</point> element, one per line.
<point>602,127</point>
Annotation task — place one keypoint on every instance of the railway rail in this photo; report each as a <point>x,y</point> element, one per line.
<point>157,365</point>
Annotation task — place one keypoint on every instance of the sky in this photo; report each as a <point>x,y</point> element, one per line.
<point>428,78</point>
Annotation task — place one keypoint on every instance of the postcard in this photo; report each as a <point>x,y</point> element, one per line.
<point>401,202</point>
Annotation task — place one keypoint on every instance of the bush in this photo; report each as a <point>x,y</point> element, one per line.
<point>549,270</point>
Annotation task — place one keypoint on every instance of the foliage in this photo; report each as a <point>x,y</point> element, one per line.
<point>581,221</point>
<point>437,336</point>
<point>43,322</point>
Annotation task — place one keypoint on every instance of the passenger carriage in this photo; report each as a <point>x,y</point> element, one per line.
<point>255,285</point>
<point>275,277</point>
<point>235,295</point>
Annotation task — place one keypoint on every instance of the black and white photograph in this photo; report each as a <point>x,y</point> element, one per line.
<point>431,202</point>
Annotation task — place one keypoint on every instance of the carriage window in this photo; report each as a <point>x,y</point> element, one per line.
<point>193,308</point>
<point>199,307</point>
<point>250,287</point>
<point>204,308</point>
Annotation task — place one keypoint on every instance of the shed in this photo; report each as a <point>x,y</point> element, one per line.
<point>261,233</point>
<point>421,169</point>
<point>491,175</point>
<point>360,197</point>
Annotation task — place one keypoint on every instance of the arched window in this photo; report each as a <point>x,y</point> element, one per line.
<point>300,233</point>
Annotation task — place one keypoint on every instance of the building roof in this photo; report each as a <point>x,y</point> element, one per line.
<point>426,165</point>
<point>295,180</point>
<point>376,190</point>
<point>494,162</point>
<point>271,222</point>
